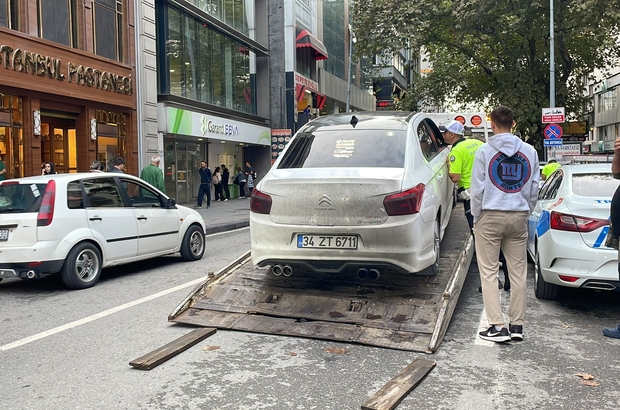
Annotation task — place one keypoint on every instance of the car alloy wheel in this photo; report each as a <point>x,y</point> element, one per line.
<point>82,268</point>
<point>87,265</point>
<point>193,246</point>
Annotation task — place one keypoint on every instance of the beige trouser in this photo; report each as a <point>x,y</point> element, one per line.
<point>508,231</point>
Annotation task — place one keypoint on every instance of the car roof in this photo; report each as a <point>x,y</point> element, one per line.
<point>43,179</point>
<point>587,168</point>
<point>366,120</point>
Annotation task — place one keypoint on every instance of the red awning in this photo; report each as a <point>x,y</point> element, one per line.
<point>305,39</point>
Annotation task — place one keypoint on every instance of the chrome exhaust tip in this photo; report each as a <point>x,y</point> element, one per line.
<point>374,274</point>
<point>276,270</point>
<point>287,270</point>
<point>31,274</point>
<point>599,286</point>
<point>362,273</point>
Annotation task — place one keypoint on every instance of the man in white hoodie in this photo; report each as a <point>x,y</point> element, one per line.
<point>504,190</point>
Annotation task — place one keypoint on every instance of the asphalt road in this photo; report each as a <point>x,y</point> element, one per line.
<point>63,349</point>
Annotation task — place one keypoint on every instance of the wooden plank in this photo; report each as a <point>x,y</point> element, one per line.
<point>396,389</point>
<point>158,356</point>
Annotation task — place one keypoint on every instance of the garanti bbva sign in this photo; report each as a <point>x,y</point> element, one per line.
<point>53,68</point>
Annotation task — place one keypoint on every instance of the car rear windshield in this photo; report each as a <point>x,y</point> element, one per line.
<point>594,185</point>
<point>20,197</point>
<point>347,149</point>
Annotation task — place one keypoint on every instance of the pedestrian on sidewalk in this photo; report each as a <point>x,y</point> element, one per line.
<point>225,182</point>
<point>153,174</point>
<point>240,178</point>
<point>118,165</point>
<point>250,183</point>
<point>205,184</point>
<point>614,229</point>
<point>96,167</point>
<point>217,184</point>
<point>504,190</point>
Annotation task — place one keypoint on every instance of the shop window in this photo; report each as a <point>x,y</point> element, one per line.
<point>58,21</point>
<point>11,136</point>
<point>9,14</point>
<point>206,65</point>
<point>110,137</point>
<point>108,28</point>
<point>58,141</point>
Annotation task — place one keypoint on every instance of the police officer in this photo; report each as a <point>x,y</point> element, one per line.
<point>549,168</point>
<point>461,162</point>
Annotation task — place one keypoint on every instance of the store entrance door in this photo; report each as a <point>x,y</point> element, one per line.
<point>58,143</point>
<point>182,162</point>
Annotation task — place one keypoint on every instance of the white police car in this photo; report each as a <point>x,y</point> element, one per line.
<point>567,231</point>
<point>77,224</point>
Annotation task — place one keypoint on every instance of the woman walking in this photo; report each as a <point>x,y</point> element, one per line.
<point>225,181</point>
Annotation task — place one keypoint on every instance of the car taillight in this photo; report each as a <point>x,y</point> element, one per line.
<point>9,183</point>
<point>260,202</point>
<point>404,203</point>
<point>574,223</point>
<point>46,210</point>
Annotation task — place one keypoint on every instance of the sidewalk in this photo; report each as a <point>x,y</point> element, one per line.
<point>224,216</point>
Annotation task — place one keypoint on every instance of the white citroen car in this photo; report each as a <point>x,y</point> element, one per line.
<point>567,230</point>
<point>77,224</point>
<point>364,191</point>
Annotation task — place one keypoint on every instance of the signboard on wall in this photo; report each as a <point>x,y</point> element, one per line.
<point>568,149</point>
<point>185,122</point>
<point>279,139</point>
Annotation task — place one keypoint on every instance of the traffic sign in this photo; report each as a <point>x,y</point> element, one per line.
<point>553,131</point>
<point>557,142</point>
<point>550,115</point>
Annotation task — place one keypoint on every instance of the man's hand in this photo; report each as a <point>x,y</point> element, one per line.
<point>617,146</point>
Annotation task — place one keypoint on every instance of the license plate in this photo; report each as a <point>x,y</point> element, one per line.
<point>327,241</point>
<point>4,234</point>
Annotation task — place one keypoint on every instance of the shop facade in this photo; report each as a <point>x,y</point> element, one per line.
<point>62,104</point>
<point>190,137</point>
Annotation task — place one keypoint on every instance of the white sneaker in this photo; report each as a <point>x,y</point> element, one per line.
<point>226,200</point>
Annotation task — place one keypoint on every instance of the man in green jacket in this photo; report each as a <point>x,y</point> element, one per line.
<point>153,174</point>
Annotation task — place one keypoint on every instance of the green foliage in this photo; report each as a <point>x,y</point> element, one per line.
<point>490,52</point>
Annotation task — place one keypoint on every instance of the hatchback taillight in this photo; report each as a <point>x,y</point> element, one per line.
<point>46,210</point>
<point>260,202</point>
<point>404,203</point>
<point>574,223</point>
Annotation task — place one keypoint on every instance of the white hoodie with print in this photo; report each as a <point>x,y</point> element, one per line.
<point>505,176</point>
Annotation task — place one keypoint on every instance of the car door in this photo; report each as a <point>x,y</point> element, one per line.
<point>113,224</point>
<point>158,227</point>
<point>446,184</point>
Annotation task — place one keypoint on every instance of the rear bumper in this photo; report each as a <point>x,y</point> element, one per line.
<point>567,255</point>
<point>21,270</point>
<point>402,244</point>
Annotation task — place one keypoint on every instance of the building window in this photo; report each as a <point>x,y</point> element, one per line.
<point>206,65</point>
<point>607,100</point>
<point>333,38</point>
<point>58,21</point>
<point>9,12</point>
<point>108,28</point>
<point>238,14</point>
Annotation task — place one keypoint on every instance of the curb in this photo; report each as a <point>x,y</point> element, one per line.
<point>226,227</point>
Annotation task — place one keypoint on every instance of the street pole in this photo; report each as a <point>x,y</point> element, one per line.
<point>551,58</point>
<point>349,69</point>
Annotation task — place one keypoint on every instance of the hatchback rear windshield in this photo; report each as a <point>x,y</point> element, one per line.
<point>594,185</point>
<point>20,197</point>
<point>347,149</point>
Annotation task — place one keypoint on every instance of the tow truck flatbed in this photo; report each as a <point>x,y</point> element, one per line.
<point>405,312</point>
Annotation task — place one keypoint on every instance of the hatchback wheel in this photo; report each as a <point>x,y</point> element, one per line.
<point>434,268</point>
<point>193,246</point>
<point>543,289</point>
<point>82,268</point>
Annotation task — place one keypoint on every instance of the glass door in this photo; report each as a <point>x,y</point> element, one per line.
<point>11,136</point>
<point>58,143</point>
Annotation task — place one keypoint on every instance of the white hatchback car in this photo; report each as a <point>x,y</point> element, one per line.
<point>367,191</point>
<point>567,231</point>
<point>77,224</point>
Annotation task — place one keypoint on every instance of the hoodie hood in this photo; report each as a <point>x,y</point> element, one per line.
<point>506,143</point>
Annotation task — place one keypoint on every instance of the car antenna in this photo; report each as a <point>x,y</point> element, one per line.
<point>353,121</point>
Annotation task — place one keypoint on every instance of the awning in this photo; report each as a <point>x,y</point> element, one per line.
<point>305,39</point>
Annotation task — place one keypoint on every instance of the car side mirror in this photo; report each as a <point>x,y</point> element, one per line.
<point>170,203</point>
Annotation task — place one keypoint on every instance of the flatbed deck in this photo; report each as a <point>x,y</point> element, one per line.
<point>405,312</point>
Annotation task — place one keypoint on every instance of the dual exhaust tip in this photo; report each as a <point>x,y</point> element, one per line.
<point>370,274</point>
<point>362,273</point>
<point>280,270</point>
